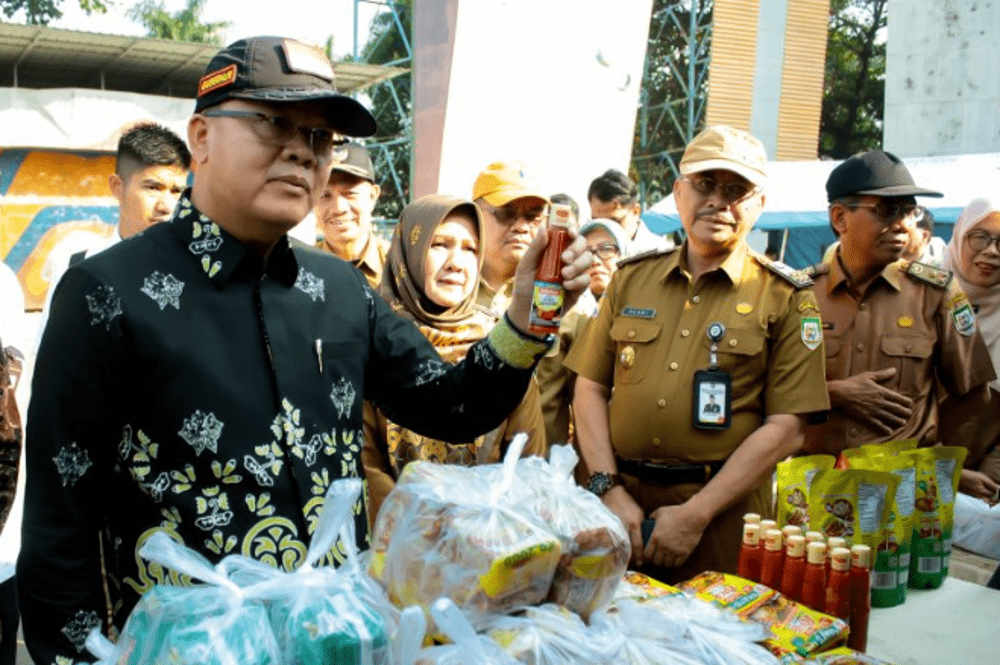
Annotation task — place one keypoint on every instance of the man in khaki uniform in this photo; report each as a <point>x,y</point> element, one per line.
<point>513,211</point>
<point>893,329</point>
<point>345,211</point>
<point>644,350</point>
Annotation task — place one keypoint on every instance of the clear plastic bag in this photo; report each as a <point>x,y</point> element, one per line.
<point>552,635</point>
<point>595,546</point>
<point>206,624</point>
<point>467,648</point>
<point>451,531</point>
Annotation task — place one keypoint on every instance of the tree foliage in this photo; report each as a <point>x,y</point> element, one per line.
<point>182,26</point>
<point>391,146</point>
<point>40,12</point>
<point>854,89</point>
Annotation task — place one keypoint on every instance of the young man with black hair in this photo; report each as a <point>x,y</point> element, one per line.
<point>613,195</point>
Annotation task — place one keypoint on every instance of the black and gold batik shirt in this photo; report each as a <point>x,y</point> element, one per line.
<point>187,386</point>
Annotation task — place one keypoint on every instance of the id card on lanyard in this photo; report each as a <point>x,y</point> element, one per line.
<point>711,404</point>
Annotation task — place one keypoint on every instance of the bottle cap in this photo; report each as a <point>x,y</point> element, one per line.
<point>795,546</point>
<point>772,540</point>
<point>834,542</point>
<point>815,536</point>
<point>751,518</point>
<point>751,535</point>
<point>840,559</point>
<point>816,553</point>
<point>791,530</point>
<point>861,556</point>
<point>768,524</point>
<point>560,214</point>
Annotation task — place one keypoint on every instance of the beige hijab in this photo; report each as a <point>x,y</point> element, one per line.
<point>451,331</point>
<point>987,300</point>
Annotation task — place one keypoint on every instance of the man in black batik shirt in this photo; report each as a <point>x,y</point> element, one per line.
<point>205,378</point>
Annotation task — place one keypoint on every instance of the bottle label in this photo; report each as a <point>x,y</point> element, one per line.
<point>546,307</point>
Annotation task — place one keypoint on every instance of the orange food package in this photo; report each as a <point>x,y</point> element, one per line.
<point>729,591</point>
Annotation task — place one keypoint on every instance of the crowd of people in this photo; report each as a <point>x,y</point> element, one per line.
<point>209,377</point>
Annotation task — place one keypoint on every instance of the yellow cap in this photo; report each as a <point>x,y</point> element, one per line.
<point>724,148</point>
<point>816,552</point>
<point>840,559</point>
<point>772,540</point>
<point>502,182</point>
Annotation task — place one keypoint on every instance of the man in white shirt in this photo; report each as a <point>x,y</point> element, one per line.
<point>613,195</point>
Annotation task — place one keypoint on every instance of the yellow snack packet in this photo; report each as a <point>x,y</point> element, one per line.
<point>876,449</point>
<point>725,590</point>
<point>938,472</point>
<point>794,478</point>
<point>798,629</point>
<point>852,504</point>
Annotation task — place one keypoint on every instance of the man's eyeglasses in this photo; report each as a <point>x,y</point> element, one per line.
<point>509,215</point>
<point>889,211</point>
<point>730,192</point>
<point>279,130</point>
<point>979,241</point>
<point>607,250</point>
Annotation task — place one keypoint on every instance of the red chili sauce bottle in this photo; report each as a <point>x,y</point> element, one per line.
<point>861,597</point>
<point>814,578</point>
<point>773,564</point>
<point>795,568</point>
<point>548,295</point>
<point>750,553</point>
<point>838,589</point>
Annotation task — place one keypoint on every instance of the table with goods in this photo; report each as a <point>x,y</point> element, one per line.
<point>514,563</point>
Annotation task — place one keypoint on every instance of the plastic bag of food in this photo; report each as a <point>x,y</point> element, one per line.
<point>466,646</point>
<point>977,526</point>
<point>891,568</point>
<point>451,531</point>
<point>938,472</point>
<point>551,635</point>
<point>852,504</point>
<point>595,546</point>
<point>205,624</point>
<point>637,586</point>
<point>794,478</point>
<point>845,656</point>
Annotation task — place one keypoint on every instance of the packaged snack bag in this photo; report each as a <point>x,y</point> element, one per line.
<point>595,546</point>
<point>454,532</point>
<point>852,504</point>
<point>845,656</point>
<point>641,587</point>
<point>877,449</point>
<point>798,630</point>
<point>892,558</point>
<point>205,624</point>
<point>794,478</point>
<point>938,472</point>
<point>729,591</point>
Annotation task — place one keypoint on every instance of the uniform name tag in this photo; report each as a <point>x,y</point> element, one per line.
<point>639,313</point>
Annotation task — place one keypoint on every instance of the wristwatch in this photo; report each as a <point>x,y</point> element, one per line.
<point>600,482</point>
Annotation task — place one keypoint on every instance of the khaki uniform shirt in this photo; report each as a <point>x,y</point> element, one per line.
<point>650,338</point>
<point>915,319</point>
<point>372,259</point>
<point>495,301</point>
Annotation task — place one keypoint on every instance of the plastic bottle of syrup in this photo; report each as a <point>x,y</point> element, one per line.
<point>773,564</point>
<point>750,553</point>
<point>861,595</point>
<point>814,578</point>
<point>838,589</point>
<point>548,295</point>
<point>795,568</point>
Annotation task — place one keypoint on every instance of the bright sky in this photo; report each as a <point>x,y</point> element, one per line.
<point>309,20</point>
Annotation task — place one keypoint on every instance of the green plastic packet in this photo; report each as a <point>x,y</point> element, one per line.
<point>794,478</point>
<point>853,504</point>
<point>938,473</point>
<point>891,567</point>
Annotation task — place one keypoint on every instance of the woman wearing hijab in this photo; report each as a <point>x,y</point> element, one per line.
<point>973,254</point>
<point>431,275</point>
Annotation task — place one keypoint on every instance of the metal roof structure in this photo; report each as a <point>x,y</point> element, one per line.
<point>41,57</point>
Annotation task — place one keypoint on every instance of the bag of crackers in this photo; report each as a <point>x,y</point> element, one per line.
<point>455,532</point>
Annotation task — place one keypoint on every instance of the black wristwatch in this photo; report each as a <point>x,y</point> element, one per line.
<point>600,482</point>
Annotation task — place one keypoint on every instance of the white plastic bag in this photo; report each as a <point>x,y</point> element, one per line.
<point>467,648</point>
<point>977,526</point>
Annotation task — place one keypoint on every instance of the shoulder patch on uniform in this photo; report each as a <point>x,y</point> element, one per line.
<point>645,255</point>
<point>797,278</point>
<point>922,272</point>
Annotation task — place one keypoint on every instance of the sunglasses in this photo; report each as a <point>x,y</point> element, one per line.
<point>279,130</point>
<point>729,192</point>
<point>888,211</point>
<point>509,215</point>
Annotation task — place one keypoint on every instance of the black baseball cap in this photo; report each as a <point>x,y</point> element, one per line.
<point>278,69</point>
<point>354,159</point>
<point>877,173</point>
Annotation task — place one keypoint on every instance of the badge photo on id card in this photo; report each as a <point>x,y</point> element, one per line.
<point>712,404</point>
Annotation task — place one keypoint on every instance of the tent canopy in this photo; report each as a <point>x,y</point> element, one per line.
<point>796,191</point>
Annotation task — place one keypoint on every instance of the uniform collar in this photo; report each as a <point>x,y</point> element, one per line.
<point>892,274</point>
<point>221,256</point>
<point>732,266</point>
<point>373,258</point>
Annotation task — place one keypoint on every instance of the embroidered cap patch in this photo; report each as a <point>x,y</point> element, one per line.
<point>217,79</point>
